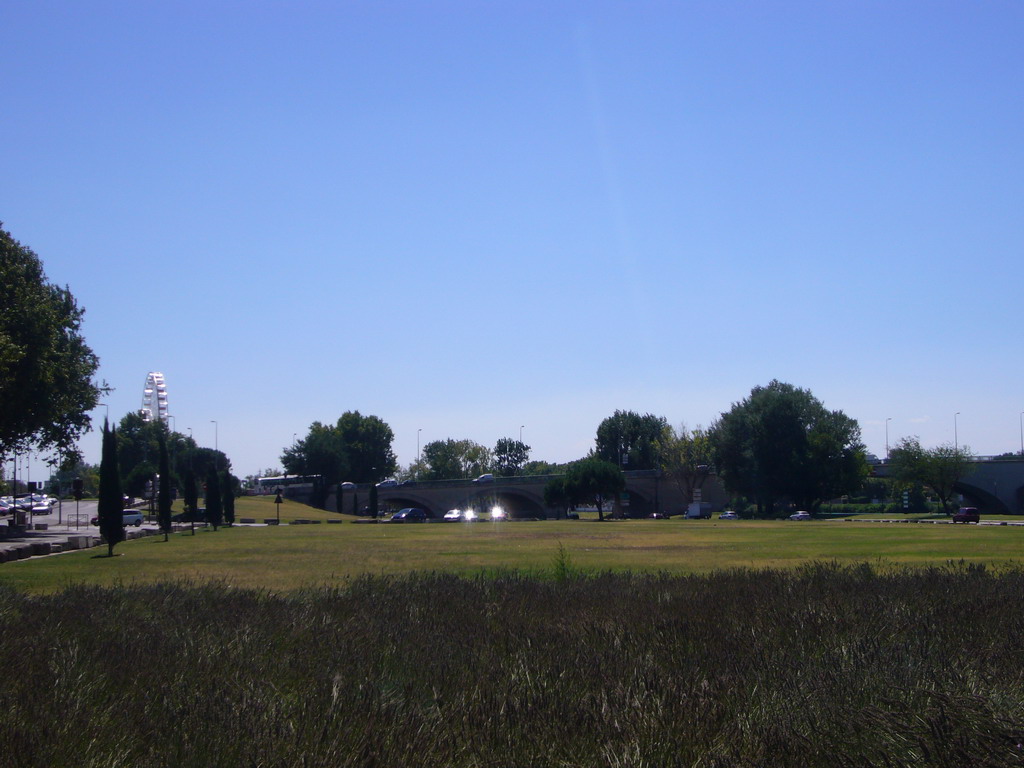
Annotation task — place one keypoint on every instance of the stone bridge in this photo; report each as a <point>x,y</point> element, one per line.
<point>523,497</point>
<point>996,487</point>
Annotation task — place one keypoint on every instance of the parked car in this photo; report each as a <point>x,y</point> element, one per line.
<point>466,515</point>
<point>966,515</point>
<point>486,478</point>
<point>728,515</point>
<point>801,515</point>
<point>128,517</point>
<point>196,516</point>
<point>409,515</point>
<point>347,486</point>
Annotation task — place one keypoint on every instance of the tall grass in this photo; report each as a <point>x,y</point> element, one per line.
<point>821,666</point>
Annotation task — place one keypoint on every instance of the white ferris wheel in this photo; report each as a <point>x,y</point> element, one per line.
<point>154,398</point>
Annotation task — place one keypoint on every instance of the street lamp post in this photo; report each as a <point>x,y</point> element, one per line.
<point>956,439</point>
<point>216,447</point>
<point>887,420</point>
<point>418,444</point>
<point>521,432</point>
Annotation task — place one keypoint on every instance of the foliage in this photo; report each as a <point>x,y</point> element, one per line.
<point>356,448</point>
<point>938,468</point>
<point>629,440</point>
<point>593,481</point>
<point>111,500</point>
<point>455,459</point>
<point>214,500</point>
<point>824,667</point>
<point>46,368</point>
<point>163,491</point>
<point>556,495</point>
<point>189,491</point>
<point>510,456</point>
<point>687,457</point>
<point>61,478</point>
<point>229,487</point>
<point>538,467</point>
<point>782,444</point>
<point>1010,456</point>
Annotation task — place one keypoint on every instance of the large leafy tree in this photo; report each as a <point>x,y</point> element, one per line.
<point>630,440</point>
<point>214,500</point>
<point>455,459</point>
<point>510,456</point>
<point>46,368</point>
<point>593,481</point>
<point>781,444</point>
<point>111,500</point>
<point>938,468</point>
<point>356,448</point>
<point>687,457</point>
<point>229,487</point>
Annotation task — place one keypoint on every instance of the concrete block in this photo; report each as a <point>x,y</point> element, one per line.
<point>332,520</point>
<point>270,521</point>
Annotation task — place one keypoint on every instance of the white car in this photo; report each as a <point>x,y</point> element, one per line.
<point>800,516</point>
<point>728,515</point>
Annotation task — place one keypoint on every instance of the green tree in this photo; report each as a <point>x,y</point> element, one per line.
<point>61,479</point>
<point>111,500</point>
<point>556,495</point>
<point>357,448</point>
<point>229,487</point>
<point>939,468</point>
<point>455,459</point>
<point>687,457</point>
<point>538,467</point>
<point>510,456</point>
<point>594,481</point>
<point>629,440</point>
<point>46,368</point>
<point>163,496</point>
<point>214,501</point>
<point>781,444</point>
<point>190,495</point>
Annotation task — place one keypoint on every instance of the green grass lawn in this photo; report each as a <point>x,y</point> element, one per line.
<point>292,557</point>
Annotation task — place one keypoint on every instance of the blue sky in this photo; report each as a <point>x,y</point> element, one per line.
<point>467,217</point>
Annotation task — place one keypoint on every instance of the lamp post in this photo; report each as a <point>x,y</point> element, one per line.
<point>1021,418</point>
<point>418,444</point>
<point>521,432</point>
<point>887,420</point>
<point>215,435</point>
<point>956,439</point>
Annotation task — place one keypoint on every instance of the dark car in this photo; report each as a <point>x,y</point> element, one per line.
<point>966,515</point>
<point>195,516</point>
<point>409,515</point>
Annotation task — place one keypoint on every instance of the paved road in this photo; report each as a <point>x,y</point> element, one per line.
<point>64,524</point>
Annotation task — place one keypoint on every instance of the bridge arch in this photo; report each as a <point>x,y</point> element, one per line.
<point>985,500</point>
<point>517,503</point>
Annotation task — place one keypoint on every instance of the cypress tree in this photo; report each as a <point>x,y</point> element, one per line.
<point>229,499</point>
<point>191,497</point>
<point>111,502</point>
<point>163,498</point>
<point>214,503</point>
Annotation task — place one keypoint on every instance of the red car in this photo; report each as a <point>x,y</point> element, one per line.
<point>966,515</point>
